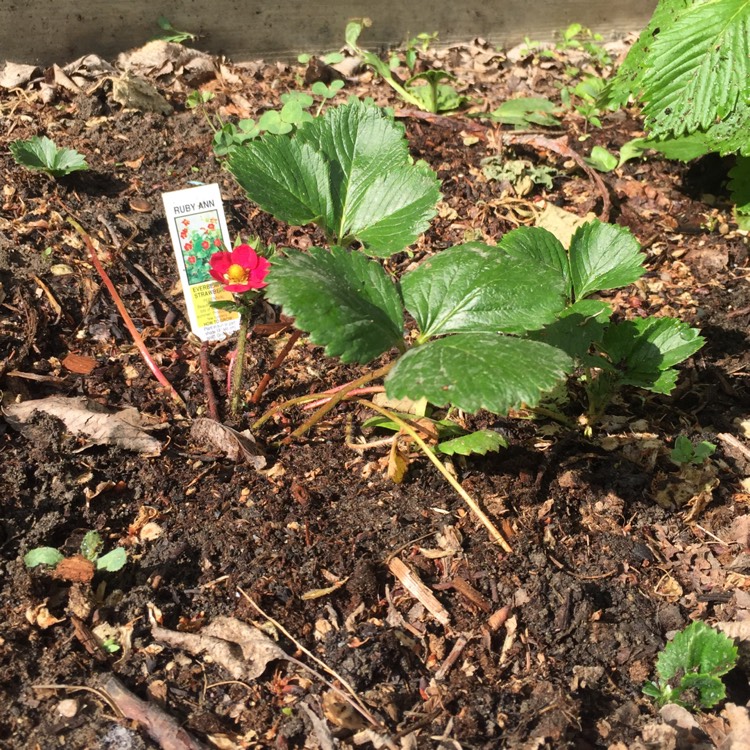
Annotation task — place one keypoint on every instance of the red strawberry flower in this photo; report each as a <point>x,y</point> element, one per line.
<point>186,222</point>
<point>183,233</point>
<point>240,270</point>
<point>205,245</point>
<point>188,246</point>
<point>211,225</point>
<point>217,242</point>
<point>191,259</point>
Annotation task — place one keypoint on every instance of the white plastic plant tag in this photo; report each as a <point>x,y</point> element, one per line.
<point>198,230</point>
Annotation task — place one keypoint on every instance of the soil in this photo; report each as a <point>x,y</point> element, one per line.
<point>547,647</point>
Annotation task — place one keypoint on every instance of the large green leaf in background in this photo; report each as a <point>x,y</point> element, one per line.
<point>698,67</point>
<point>345,301</point>
<point>474,371</point>
<point>477,288</point>
<point>349,172</point>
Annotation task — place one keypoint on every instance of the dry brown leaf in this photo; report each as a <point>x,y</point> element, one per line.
<point>237,445</point>
<point>398,464</point>
<point>79,363</point>
<point>76,569</point>
<point>124,428</point>
<point>241,649</point>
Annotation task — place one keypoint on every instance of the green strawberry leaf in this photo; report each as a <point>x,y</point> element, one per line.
<point>690,667</point>
<point>539,247</point>
<point>603,256</point>
<point>40,153</point>
<point>349,172</point>
<point>481,441</point>
<point>646,350</point>
<point>577,328</point>
<point>477,288</point>
<point>42,556</point>
<point>474,371</point>
<point>697,649</point>
<point>346,302</point>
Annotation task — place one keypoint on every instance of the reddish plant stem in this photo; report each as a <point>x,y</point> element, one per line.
<point>213,409</point>
<point>337,397</point>
<point>283,354</point>
<point>137,340</point>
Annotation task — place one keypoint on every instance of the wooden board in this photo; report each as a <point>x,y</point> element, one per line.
<point>45,31</point>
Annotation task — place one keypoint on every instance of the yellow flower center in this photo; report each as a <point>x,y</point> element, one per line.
<point>236,274</point>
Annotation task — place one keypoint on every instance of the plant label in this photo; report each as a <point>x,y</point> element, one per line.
<point>198,230</point>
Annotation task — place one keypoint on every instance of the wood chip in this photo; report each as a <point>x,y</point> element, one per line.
<point>412,583</point>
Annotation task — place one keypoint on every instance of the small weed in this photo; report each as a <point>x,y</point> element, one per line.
<point>171,34</point>
<point>687,452</point>
<point>691,666</point>
<point>90,549</point>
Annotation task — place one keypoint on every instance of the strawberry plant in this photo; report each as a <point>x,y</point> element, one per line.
<point>691,667</point>
<point>690,68</point>
<point>496,327</point>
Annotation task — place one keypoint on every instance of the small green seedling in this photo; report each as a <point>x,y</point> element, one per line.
<point>691,666</point>
<point>43,155</point>
<point>332,58</point>
<point>171,34</point>
<point>527,112</point>
<point>452,439</point>
<point>411,50</point>
<point>686,452</point>
<point>91,546</point>
<point>434,97</point>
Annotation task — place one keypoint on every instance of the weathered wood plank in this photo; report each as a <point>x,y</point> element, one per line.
<point>47,31</point>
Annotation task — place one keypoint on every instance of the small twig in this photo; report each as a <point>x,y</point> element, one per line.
<point>137,339</point>
<point>159,725</point>
<point>416,587</point>
<point>213,409</point>
<point>148,303</point>
<point>350,696</point>
<point>732,442</point>
<point>478,512</point>
<point>77,688</point>
<point>283,354</point>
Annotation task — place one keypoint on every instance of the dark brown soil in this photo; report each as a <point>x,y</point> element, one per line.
<point>558,637</point>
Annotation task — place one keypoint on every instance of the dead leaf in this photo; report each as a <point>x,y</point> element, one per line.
<point>124,428</point>
<point>241,649</point>
<point>561,223</point>
<point>14,75</point>
<point>398,463</point>
<point>41,616</point>
<point>137,93</point>
<point>78,363</point>
<point>318,593</point>
<point>237,445</point>
<point>76,569</point>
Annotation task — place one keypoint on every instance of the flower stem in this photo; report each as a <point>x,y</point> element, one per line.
<point>239,364</point>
